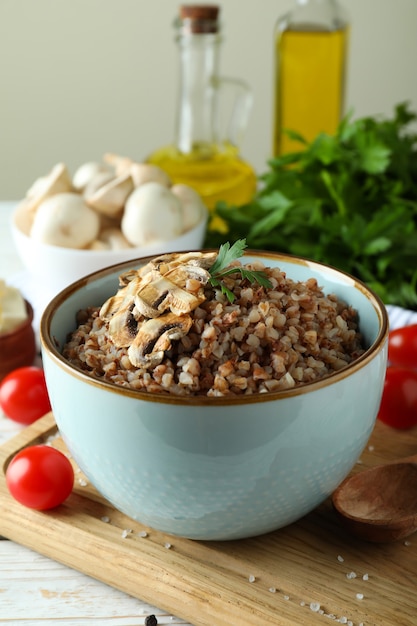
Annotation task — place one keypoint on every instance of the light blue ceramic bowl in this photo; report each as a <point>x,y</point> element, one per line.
<point>217,468</point>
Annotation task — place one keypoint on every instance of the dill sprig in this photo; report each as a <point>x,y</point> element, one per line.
<point>221,268</point>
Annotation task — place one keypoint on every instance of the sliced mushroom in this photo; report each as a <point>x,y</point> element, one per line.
<point>176,266</point>
<point>167,262</point>
<point>130,275</point>
<point>161,294</point>
<point>180,290</point>
<point>124,297</point>
<point>152,306</point>
<point>123,327</point>
<point>111,197</point>
<point>155,337</point>
<point>57,181</point>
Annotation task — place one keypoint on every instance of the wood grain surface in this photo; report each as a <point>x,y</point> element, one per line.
<point>296,576</point>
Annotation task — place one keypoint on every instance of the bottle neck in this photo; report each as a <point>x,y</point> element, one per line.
<point>315,14</point>
<point>196,110</point>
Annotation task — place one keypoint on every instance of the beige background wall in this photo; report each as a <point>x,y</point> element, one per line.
<point>81,77</point>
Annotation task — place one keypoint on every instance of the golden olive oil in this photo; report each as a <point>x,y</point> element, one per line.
<point>309,84</point>
<point>216,173</point>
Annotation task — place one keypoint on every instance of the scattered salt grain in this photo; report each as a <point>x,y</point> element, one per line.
<point>340,559</point>
<point>365,577</point>
<point>371,448</point>
<point>143,533</point>
<point>167,545</point>
<point>82,482</point>
<point>407,543</point>
<point>126,532</point>
<point>286,597</point>
<point>343,620</point>
<point>359,596</point>
<point>105,519</point>
<point>351,575</point>
<point>252,578</point>
<point>272,590</point>
<point>302,603</point>
<point>315,606</point>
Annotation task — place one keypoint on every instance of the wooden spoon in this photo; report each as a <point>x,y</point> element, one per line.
<point>380,503</point>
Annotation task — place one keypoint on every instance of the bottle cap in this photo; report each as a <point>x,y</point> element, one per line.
<point>200,18</point>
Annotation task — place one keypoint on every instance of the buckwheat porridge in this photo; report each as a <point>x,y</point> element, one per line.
<point>175,326</point>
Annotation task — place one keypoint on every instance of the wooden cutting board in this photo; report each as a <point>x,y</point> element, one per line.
<point>296,576</point>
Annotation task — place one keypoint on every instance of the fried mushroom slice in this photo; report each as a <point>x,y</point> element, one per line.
<point>167,262</point>
<point>155,337</point>
<point>123,327</point>
<point>124,297</point>
<point>151,307</point>
<point>180,290</point>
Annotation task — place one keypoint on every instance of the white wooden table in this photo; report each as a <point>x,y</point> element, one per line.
<point>35,590</point>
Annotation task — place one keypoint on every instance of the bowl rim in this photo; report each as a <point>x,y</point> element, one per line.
<point>50,347</point>
<point>110,253</point>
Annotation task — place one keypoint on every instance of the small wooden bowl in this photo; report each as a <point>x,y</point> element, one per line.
<point>18,346</point>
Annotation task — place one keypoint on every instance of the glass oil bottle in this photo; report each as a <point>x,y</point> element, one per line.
<point>311,47</point>
<point>205,154</point>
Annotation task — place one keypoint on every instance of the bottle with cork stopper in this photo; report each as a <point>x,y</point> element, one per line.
<point>205,153</point>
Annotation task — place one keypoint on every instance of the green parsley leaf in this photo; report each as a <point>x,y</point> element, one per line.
<point>227,254</point>
<point>221,268</point>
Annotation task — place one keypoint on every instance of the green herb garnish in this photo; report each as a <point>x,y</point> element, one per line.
<point>221,268</point>
<point>349,200</point>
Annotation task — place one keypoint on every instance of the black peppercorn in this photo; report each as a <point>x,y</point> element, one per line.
<point>151,620</point>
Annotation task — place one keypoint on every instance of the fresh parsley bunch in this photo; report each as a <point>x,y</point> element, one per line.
<point>349,200</point>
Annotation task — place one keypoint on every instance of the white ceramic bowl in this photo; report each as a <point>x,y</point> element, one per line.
<point>217,468</point>
<point>54,268</point>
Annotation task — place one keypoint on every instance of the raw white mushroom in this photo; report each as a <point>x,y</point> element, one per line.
<point>99,180</point>
<point>57,181</point>
<point>146,172</point>
<point>193,208</point>
<point>140,172</point>
<point>110,198</point>
<point>110,239</point>
<point>120,163</point>
<point>65,220</point>
<point>152,213</point>
<point>87,172</point>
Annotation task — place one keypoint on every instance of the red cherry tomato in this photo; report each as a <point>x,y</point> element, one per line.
<point>402,346</point>
<point>399,399</point>
<point>40,477</point>
<point>23,395</point>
